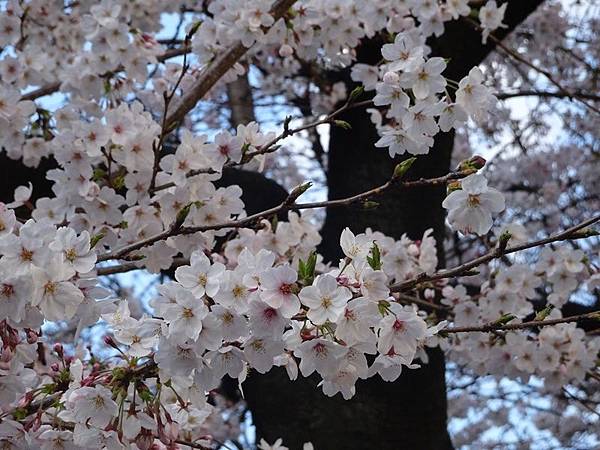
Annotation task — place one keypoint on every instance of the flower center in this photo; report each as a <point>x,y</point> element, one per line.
<point>50,287</point>
<point>227,318</point>
<point>398,326</point>
<point>26,255</point>
<point>285,289</point>
<point>7,290</point>
<point>98,402</point>
<point>320,349</point>
<point>238,291</point>
<point>71,254</point>
<point>473,200</point>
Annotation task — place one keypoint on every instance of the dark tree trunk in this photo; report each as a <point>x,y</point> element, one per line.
<point>411,412</point>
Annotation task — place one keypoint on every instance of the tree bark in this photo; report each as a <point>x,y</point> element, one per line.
<point>241,102</point>
<point>411,412</point>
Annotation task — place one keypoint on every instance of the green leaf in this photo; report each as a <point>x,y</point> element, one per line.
<point>118,182</point>
<point>95,239</point>
<point>368,204</point>
<point>374,257</point>
<point>301,269</point>
<point>181,216</point>
<point>306,270</point>
<point>274,223</point>
<point>504,319</point>
<point>384,307</point>
<point>20,413</point>
<point>403,167</point>
<point>342,124</point>
<point>356,93</point>
<point>503,240</point>
<point>541,315</point>
<point>98,174</point>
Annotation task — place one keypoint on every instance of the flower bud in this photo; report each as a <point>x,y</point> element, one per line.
<point>58,349</point>
<point>32,337</point>
<point>144,440</point>
<point>108,340</point>
<point>391,78</point>
<point>286,50</point>
<point>7,354</point>
<point>474,163</point>
<point>477,162</point>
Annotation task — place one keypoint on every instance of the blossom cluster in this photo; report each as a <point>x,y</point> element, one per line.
<point>559,354</point>
<point>249,293</point>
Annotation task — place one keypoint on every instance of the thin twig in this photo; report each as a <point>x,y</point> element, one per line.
<point>570,233</point>
<point>285,206</point>
<point>494,326</point>
<point>270,146</point>
<point>529,64</point>
<point>219,67</point>
<point>547,94</point>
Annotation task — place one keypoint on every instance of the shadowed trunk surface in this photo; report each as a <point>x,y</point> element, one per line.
<point>409,414</point>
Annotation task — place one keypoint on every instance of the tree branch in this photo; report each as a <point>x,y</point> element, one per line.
<point>285,206</point>
<point>494,326</point>
<point>498,252</point>
<point>220,65</point>
<point>545,94</point>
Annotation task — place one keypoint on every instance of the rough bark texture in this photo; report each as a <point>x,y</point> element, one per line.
<point>411,412</point>
<point>241,104</point>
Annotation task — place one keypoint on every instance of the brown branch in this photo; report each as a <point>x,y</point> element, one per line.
<point>54,87</point>
<point>494,326</point>
<point>286,206</point>
<point>219,67</point>
<point>129,266</point>
<point>546,94</point>
<point>570,233</point>
<point>423,303</point>
<point>270,146</point>
<point>164,130</point>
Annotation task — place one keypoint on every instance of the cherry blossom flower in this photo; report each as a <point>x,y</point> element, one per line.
<point>200,277</point>
<point>325,299</point>
<point>321,355</point>
<point>57,298</point>
<point>471,208</point>
<point>92,405</point>
<point>490,16</point>
<point>277,289</point>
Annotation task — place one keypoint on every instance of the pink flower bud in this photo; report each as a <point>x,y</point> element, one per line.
<point>171,430</point>
<point>32,337</point>
<point>391,78</point>
<point>108,340</point>
<point>58,348</point>
<point>286,50</point>
<point>7,354</point>
<point>144,440</point>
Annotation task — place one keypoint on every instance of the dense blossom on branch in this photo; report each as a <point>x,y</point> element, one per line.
<point>134,186</point>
